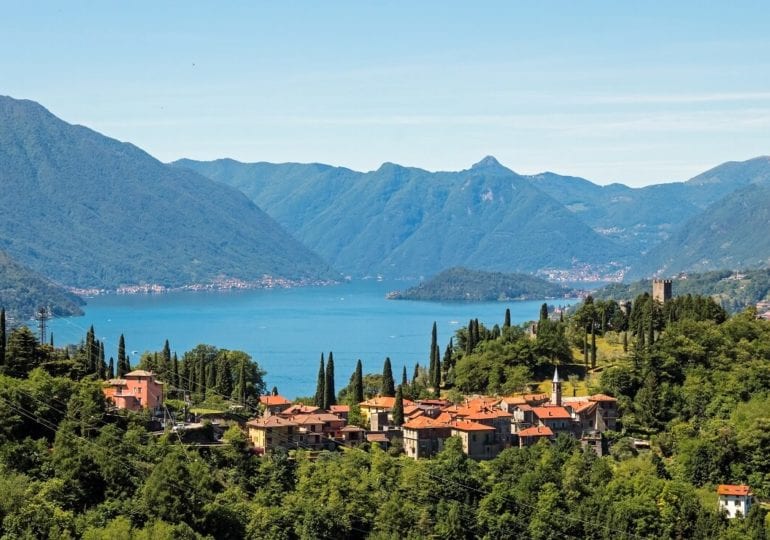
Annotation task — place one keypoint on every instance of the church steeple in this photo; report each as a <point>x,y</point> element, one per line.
<point>556,388</point>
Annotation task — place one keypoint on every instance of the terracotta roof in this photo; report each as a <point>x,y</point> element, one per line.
<point>273,400</point>
<point>319,418</point>
<point>444,418</point>
<point>352,428</point>
<point>270,421</point>
<point>377,437</point>
<point>736,490</point>
<point>383,402</point>
<point>461,425</point>
<point>423,422</point>
<point>415,414</point>
<point>552,412</point>
<point>537,431</point>
<point>139,373</point>
<point>339,408</point>
<point>116,382</point>
<point>489,415</point>
<point>299,408</point>
<point>601,397</point>
<point>515,400</point>
<point>581,406</point>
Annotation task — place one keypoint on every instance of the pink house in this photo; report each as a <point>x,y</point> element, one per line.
<point>135,391</point>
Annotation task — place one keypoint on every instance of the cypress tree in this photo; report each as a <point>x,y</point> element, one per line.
<point>388,385</point>
<point>320,385</point>
<point>398,407</point>
<point>274,391</point>
<point>166,363</point>
<point>111,369</point>
<point>175,378</point>
<point>91,353</point>
<point>329,394</point>
<point>593,348</point>
<point>416,372</point>
<point>436,382</point>
<point>2,337</point>
<point>404,379</point>
<point>121,357</point>
<point>224,376</point>
<point>585,348</point>
<point>101,364</point>
<point>507,321</point>
<point>50,341</point>
<point>476,332</point>
<point>433,353</point>
<point>446,364</point>
<point>469,339</point>
<point>358,383</point>
<point>625,341</point>
<point>651,338</point>
<point>544,312</point>
<point>202,376</point>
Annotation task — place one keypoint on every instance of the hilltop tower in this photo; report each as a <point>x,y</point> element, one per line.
<point>556,388</point>
<point>661,290</point>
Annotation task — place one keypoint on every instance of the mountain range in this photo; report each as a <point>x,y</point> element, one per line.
<point>88,211</point>
<point>403,221</point>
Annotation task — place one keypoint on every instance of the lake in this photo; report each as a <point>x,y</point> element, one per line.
<point>285,330</point>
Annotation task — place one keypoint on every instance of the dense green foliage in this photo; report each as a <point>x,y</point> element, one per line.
<point>735,291</point>
<point>89,211</point>
<point>402,221</point>
<point>699,390</point>
<point>23,291</point>
<point>463,285</point>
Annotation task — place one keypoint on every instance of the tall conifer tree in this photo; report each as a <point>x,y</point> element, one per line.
<point>320,384</point>
<point>111,369</point>
<point>593,348</point>
<point>224,376</point>
<point>398,407</point>
<point>240,387</point>
<point>175,378</point>
<point>166,362</point>
<point>544,312</point>
<point>358,383</point>
<point>211,382</point>
<point>388,385</point>
<point>121,357</point>
<point>404,379</point>
<point>507,321</point>
<point>329,395</point>
<point>433,353</point>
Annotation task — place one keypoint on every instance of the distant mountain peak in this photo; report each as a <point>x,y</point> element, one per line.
<point>487,162</point>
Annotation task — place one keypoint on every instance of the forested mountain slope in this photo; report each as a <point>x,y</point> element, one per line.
<point>90,211</point>
<point>402,221</point>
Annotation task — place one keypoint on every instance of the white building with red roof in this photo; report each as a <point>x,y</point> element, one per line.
<point>735,500</point>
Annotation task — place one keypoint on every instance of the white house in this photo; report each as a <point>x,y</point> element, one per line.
<point>735,499</point>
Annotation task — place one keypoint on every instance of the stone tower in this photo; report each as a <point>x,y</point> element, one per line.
<point>661,290</point>
<point>556,388</point>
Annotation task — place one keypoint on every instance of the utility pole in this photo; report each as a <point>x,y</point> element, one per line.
<point>42,316</point>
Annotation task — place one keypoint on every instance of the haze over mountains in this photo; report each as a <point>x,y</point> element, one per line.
<point>406,221</point>
<point>89,211</point>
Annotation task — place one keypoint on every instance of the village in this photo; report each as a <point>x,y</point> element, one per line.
<point>485,425</point>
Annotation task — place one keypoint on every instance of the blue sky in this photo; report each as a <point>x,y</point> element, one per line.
<point>634,92</point>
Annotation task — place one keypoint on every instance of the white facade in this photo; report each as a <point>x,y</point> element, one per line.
<point>735,505</point>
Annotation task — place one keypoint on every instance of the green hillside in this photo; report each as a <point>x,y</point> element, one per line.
<point>90,211</point>
<point>400,221</point>
<point>731,233</point>
<point>464,285</point>
<point>734,290</point>
<point>22,291</point>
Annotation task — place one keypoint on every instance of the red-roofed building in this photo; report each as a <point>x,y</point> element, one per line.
<point>529,436</point>
<point>379,404</point>
<point>274,404</point>
<point>424,437</point>
<point>272,432</point>
<point>735,500</point>
<point>340,410</point>
<point>478,439</point>
<point>135,391</point>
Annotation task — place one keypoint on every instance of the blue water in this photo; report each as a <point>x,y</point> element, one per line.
<point>285,330</point>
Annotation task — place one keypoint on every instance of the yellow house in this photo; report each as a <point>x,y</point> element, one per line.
<point>379,404</point>
<point>272,432</point>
